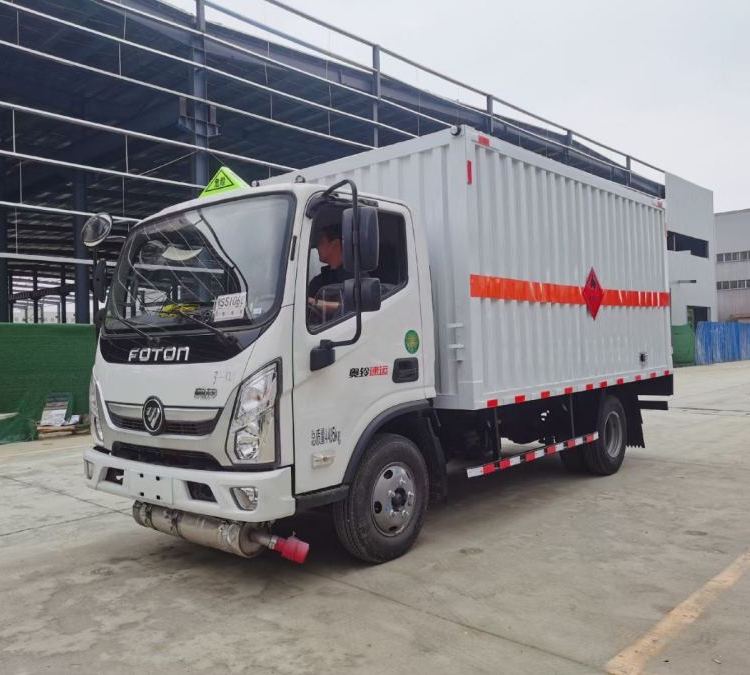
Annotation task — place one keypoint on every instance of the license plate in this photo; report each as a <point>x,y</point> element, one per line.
<point>151,486</point>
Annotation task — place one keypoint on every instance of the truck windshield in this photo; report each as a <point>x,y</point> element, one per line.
<point>219,265</point>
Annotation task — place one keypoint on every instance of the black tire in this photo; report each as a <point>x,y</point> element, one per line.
<point>360,526</point>
<point>573,460</point>
<point>604,456</point>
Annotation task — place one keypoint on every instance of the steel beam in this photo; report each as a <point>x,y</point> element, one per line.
<point>4,291</point>
<point>35,286</point>
<point>377,90</point>
<point>199,88</point>
<point>63,296</point>
<point>82,272</point>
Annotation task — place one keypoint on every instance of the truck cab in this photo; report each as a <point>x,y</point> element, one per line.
<point>237,378</point>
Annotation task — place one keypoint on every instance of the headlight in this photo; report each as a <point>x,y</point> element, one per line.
<point>252,434</point>
<point>96,428</point>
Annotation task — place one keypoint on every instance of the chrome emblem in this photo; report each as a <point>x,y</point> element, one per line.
<point>153,415</point>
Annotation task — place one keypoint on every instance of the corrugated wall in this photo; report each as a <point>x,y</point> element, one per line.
<point>522,216</point>
<point>540,223</point>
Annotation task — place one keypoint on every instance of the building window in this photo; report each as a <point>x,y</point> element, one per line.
<point>735,256</point>
<point>681,242</point>
<point>744,255</point>
<point>741,283</point>
<point>725,285</point>
<point>719,257</point>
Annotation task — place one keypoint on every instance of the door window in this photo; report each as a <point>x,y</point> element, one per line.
<point>326,274</point>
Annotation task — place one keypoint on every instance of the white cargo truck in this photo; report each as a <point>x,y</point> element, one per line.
<point>336,337</point>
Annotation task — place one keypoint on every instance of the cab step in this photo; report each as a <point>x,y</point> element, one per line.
<point>530,455</point>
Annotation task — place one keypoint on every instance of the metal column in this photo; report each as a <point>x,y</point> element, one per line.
<point>200,89</point>
<point>35,301</point>
<point>83,314</point>
<point>491,114</point>
<point>4,291</point>
<point>377,90</point>
<point>63,296</point>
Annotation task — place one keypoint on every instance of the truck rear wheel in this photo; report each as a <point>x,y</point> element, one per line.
<point>383,513</point>
<point>604,457</point>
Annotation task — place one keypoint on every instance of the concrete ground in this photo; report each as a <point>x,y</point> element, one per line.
<point>525,571</point>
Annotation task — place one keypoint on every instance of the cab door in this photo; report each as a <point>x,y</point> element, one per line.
<point>384,368</point>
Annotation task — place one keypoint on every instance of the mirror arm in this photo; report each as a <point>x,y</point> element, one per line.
<point>330,344</point>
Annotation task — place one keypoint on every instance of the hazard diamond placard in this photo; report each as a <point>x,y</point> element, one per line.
<point>593,293</point>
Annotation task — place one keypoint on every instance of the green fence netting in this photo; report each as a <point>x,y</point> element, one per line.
<point>37,360</point>
<point>683,345</point>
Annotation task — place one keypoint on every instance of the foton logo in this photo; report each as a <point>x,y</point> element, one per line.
<point>159,354</point>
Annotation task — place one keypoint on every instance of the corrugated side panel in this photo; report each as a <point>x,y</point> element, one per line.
<point>429,175</point>
<point>541,222</point>
<point>527,218</point>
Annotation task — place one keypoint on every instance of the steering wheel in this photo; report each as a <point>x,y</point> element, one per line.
<point>314,313</point>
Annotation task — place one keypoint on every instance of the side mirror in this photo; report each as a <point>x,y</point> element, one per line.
<point>369,294</point>
<point>369,238</point>
<point>322,356</point>
<point>100,280</point>
<point>96,229</point>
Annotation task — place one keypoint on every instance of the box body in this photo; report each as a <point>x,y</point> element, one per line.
<point>513,239</point>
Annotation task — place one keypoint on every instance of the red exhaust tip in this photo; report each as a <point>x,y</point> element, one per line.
<point>292,549</point>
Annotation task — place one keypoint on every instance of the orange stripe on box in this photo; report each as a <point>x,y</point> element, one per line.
<point>521,290</point>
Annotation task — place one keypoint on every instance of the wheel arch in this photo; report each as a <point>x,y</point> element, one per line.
<point>413,421</point>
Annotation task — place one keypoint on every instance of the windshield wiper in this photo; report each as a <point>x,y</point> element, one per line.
<point>132,326</point>
<point>228,339</point>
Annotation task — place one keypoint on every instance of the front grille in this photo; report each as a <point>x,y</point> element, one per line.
<point>184,459</point>
<point>173,427</point>
<point>129,423</point>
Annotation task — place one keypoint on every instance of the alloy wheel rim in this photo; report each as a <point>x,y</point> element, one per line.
<point>393,499</point>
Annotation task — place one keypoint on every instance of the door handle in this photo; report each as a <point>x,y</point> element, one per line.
<point>406,370</point>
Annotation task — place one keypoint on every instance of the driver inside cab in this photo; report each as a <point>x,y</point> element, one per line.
<point>325,290</point>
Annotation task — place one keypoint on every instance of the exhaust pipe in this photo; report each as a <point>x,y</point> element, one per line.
<point>230,536</point>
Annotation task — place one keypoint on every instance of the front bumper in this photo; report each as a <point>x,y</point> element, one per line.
<point>168,486</point>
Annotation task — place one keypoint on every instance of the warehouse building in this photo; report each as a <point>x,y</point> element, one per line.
<point>126,106</point>
<point>733,265</point>
<point>690,251</point>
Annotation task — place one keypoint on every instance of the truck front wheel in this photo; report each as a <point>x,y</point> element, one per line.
<point>382,514</point>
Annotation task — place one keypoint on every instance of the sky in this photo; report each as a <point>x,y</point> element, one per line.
<point>667,81</point>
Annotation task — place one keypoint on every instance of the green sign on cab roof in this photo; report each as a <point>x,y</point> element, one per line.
<point>224,180</point>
